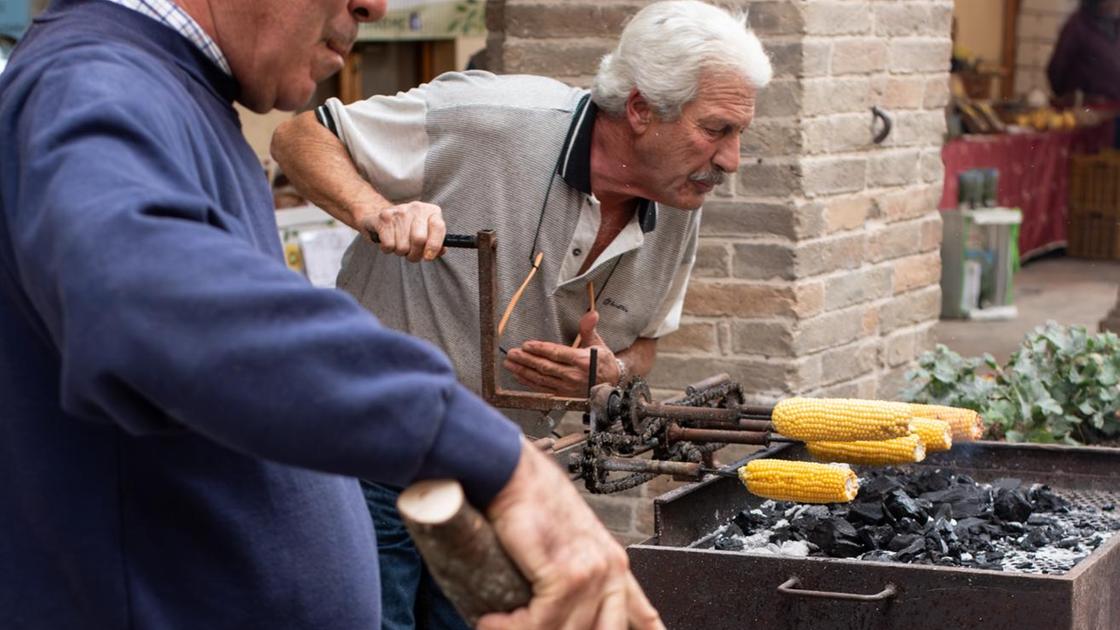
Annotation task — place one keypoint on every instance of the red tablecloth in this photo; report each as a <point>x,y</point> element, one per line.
<point>1033,176</point>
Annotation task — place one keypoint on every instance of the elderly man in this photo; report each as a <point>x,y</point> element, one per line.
<point>182,416</point>
<point>602,187</point>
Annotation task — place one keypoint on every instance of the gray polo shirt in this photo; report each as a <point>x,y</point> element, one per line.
<point>488,149</point>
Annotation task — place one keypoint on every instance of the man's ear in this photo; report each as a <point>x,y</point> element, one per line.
<point>638,112</point>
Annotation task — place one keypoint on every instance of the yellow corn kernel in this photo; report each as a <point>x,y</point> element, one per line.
<point>903,450</point>
<point>840,419</point>
<point>936,435</point>
<point>804,482</point>
<point>965,423</point>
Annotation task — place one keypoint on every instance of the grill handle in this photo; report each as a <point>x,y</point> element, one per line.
<point>789,588</point>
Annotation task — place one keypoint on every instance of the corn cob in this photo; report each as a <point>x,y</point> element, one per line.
<point>965,423</point>
<point>840,419</point>
<point>936,435</point>
<point>903,450</point>
<point>804,482</point>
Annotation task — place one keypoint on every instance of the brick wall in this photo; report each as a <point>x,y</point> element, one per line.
<point>1040,21</point>
<point>818,265</point>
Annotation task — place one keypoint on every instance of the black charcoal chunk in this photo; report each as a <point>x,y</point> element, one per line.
<point>900,505</point>
<point>868,512</point>
<point>1011,505</point>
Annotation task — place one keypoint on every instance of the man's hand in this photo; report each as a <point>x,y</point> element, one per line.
<point>414,230</point>
<point>580,576</point>
<point>557,369</point>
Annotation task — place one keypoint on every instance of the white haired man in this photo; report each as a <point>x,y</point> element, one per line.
<point>605,185</point>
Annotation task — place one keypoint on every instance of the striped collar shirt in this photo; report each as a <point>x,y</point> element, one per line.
<point>169,14</point>
<point>575,160</point>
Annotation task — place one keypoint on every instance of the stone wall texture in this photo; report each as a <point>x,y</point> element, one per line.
<point>818,266</point>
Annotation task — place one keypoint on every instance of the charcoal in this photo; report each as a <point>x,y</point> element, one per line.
<point>1007,483</point>
<point>1039,520</point>
<point>1034,539</point>
<point>833,536</point>
<point>908,525</point>
<point>931,517</point>
<point>867,512</point>
<point>935,543</point>
<point>750,520</point>
<point>1044,499</point>
<point>965,501</point>
<point>902,541</point>
<point>876,537</point>
<point>729,543</point>
<point>878,555</point>
<point>1012,505</point>
<point>846,549</point>
<point>943,512</point>
<point>930,481</point>
<point>900,505</point>
<point>912,550</point>
<point>877,487</point>
<point>970,525</point>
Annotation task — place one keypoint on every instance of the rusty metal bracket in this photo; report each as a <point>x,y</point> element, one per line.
<point>487,243</point>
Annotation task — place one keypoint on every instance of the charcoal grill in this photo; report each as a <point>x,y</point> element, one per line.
<point>697,587</point>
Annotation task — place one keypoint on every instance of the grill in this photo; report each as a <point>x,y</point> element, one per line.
<point>697,587</point>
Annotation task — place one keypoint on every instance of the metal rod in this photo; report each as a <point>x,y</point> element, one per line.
<point>738,425</point>
<point>681,412</point>
<point>677,433</point>
<point>758,411</point>
<point>654,466</point>
<point>510,399</point>
<point>712,381</point>
<point>592,367</point>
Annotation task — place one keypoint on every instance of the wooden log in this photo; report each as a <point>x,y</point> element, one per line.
<point>461,549</point>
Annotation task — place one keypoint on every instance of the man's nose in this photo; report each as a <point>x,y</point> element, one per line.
<point>727,155</point>
<point>368,10</point>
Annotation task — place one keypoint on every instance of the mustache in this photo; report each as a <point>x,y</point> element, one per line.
<point>712,177</point>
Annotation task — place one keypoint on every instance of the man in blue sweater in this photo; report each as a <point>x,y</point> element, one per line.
<point>182,417</point>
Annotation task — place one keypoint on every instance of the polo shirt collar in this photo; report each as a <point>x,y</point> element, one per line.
<point>575,160</point>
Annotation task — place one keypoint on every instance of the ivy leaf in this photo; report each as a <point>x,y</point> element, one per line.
<point>1042,436</point>
<point>1086,408</point>
<point>1107,374</point>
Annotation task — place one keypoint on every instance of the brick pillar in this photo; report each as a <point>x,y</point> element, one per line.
<point>818,266</point>
<point>1040,21</point>
<point>1112,320</point>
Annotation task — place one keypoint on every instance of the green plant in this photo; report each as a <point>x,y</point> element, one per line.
<point>1060,386</point>
<point>471,18</point>
<point>943,377</point>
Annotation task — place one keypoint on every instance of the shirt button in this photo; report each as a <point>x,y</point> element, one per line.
<point>577,251</point>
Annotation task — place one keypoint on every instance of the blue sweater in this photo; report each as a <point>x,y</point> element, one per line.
<point>181,417</point>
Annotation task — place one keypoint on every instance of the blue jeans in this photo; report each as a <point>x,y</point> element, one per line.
<point>410,597</point>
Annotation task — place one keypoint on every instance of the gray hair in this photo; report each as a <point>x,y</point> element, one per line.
<point>665,47</point>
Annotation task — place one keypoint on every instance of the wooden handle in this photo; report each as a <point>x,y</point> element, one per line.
<point>461,549</point>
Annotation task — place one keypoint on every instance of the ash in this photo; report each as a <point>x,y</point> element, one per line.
<point>930,516</point>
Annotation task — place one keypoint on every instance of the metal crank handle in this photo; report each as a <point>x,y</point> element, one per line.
<point>462,550</point>
<point>462,241</point>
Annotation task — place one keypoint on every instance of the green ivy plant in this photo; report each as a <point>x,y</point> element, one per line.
<point>1059,386</point>
<point>471,18</point>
